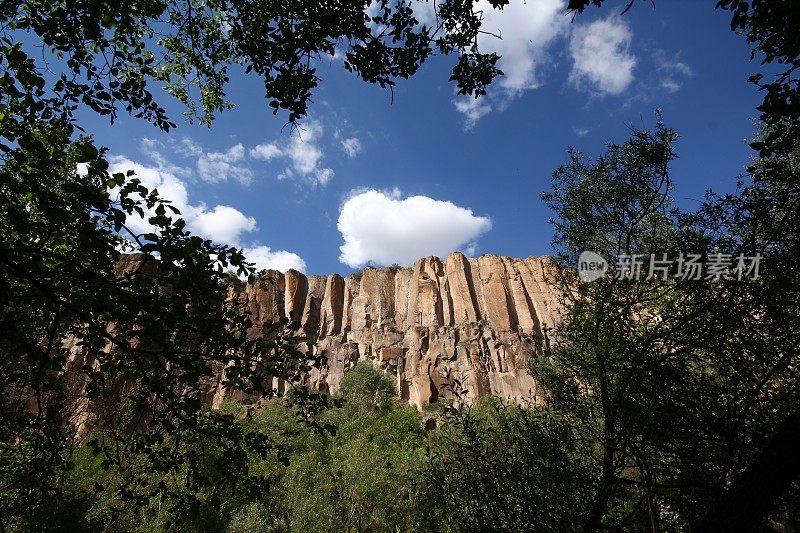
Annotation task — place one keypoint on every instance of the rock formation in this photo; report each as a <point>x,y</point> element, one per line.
<point>476,322</point>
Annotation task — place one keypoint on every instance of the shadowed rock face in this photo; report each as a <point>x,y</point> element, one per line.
<point>474,321</point>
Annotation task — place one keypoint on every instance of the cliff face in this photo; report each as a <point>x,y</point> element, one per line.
<point>474,321</point>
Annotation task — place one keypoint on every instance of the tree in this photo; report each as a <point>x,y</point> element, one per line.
<point>499,467</point>
<point>368,387</point>
<point>763,218</point>
<point>114,52</point>
<point>681,388</point>
<point>117,347</point>
<point>147,334</point>
<point>670,401</point>
<point>358,479</point>
<point>756,326</point>
<point>618,204</point>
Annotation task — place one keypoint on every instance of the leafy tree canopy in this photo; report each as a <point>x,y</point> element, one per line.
<point>114,52</point>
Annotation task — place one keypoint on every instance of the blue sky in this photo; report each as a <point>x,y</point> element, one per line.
<point>369,181</point>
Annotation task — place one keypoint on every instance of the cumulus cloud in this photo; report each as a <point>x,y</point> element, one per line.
<point>221,166</point>
<point>351,146</point>
<point>522,34</point>
<point>213,167</point>
<point>580,132</point>
<point>222,224</point>
<point>601,56</point>
<point>525,30</point>
<point>384,228</point>
<point>302,154</point>
<point>265,258</point>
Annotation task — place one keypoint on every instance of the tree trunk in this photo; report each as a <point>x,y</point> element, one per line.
<point>753,494</point>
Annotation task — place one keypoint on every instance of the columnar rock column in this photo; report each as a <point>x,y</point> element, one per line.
<point>462,324</point>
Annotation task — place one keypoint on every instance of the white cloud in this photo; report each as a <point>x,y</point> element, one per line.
<point>222,224</point>
<point>670,85</point>
<point>601,58</point>
<point>383,228</point>
<point>168,185</point>
<point>153,150</point>
<point>674,64</point>
<point>265,151</point>
<point>323,175</point>
<point>265,258</point>
<point>472,109</point>
<point>671,69</point>
<point>351,146</point>
<point>525,31</point>
<point>302,152</point>
<point>215,167</point>
<point>187,147</point>
<point>580,132</point>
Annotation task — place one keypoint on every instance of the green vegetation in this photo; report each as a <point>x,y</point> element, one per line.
<point>360,479</point>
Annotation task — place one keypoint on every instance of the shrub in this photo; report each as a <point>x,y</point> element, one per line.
<point>399,427</point>
<point>366,381</point>
<point>495,467</point>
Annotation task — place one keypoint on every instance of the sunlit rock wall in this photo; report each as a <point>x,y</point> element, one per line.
<point>477,322</point>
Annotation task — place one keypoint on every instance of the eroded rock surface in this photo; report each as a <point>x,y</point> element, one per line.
<point>477,322</point>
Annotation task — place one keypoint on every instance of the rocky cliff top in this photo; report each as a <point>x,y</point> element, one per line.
<point>475,321</point>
